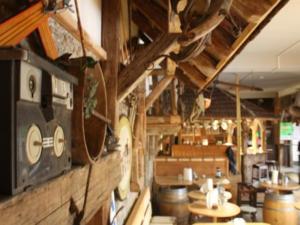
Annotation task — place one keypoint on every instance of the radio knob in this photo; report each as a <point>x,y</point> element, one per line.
<point>33,144</point>
<point>59,141</point>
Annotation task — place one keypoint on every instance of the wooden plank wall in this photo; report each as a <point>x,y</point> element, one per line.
<point>50,202</point>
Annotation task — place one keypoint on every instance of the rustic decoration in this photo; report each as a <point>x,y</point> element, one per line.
<point>124,134</point>
<point>89,133</point>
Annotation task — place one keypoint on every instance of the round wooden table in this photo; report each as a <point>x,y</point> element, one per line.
<point>281,187</point>
<point>198,195</point>
<point>297,205</point>
<point>201,181</point>
<point>227,210</point>
<point>279,204</point>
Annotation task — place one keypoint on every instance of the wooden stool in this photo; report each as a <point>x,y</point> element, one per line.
<point>247,209</point>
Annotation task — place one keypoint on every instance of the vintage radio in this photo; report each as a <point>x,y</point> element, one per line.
<point>36,105</point>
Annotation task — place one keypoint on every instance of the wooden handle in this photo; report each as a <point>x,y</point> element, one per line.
<point>101,117</point>
<point>37,143</point>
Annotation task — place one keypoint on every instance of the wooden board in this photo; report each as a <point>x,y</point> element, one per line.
<point>215,151</point>
<point>49,203</point>
<point>66,20</point>
<point>139,210</point>
<point>124,134</point>
<point>168,166</point>
<point>15,29</point>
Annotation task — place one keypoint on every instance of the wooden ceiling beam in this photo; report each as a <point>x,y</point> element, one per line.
<point>248,33</point>
<point>15,29</point>
<point>143,23</point>
<point>252,11</point>
<point>209,24</point>
<point>154,13</point>
<point>205,63</point>
<point>220,46</point>
<point>144,62</point>
<point>192,71</point>
<point>65,19</point>
<point>158,89</point>
<point>189,79</point>
<point>47,40</point>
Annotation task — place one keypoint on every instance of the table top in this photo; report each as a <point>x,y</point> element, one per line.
<point>227,210</point>
<point>297,205</point>
<point>277,187</point>
<point>198,195</point>
<point>174,181</point>
<point>230,223</point>
<point>171,181</point>
<point>201,181</point>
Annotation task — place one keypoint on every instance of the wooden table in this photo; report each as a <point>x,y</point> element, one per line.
<point>297,205</point>
<point>282,188</point>
<point>228,210</point>
<point>201,181</point>
<point>171,181</point>
<point>229,223</point>
<point>279,204</point>
<point>198,195</point>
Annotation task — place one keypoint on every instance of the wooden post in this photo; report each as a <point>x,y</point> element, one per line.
<point>139,142</point>
<point>239,151</point>
<point>276,127</point>
<point>110,42</point>
<point>174,98</point>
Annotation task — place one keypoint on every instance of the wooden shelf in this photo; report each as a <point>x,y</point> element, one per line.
<point>49,203</point>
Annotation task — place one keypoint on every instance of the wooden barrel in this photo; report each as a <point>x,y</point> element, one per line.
<point>279,209</point>
<point>174,201</point>
<point>88,133</point>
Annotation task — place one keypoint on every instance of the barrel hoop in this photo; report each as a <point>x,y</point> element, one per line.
<point>281,209</point>
<point>175,203</point>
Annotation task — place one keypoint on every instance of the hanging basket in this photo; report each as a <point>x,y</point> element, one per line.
<point>88,133</point>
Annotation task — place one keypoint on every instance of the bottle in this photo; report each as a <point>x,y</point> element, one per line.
<point>218,173</point>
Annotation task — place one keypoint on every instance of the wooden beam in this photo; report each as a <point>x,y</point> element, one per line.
<point>164,129</point>
<point>173,119</point>
<point>139,142</point>
<point>47,40</point>
<point>239,151</point>
<point>154,13</point>
<point>147,59</point>
<point>49,203</point>
<point>156,92</point>
<point>247,33</point>
<point>143,24</point>
<point>15,29</point>
<point>110,41</point>
<point>185,80</point>
<point>174,98</point>
<point>209,24</point>
<point>66,20</point>
<point>192,73</point>
<point>241,86</point>
<point>158,72</point>
<point>205,63</point>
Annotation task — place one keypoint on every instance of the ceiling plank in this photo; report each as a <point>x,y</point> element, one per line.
<point>15,29</point>
<point>110,41</point>
<point>147,59</point>
<point>154,13</point>
<point>209,24</point>
<point>47,40</point>
<point>191,70</point>
<point>248,33</point>
<point>65,19</point>
<point>205,63</point>
<point>190,79</point>
<point>143,23</point>
<point>156,92</point>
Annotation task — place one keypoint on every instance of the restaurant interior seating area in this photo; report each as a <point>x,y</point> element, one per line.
<point>150,112</point>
